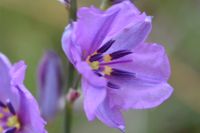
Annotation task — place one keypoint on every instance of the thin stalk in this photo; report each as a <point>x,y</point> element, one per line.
<point>69,106</point>
<point>105,4</point>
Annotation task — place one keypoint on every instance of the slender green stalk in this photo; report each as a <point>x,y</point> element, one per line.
<point>105,4</point>
<point>68,117</point>
<point>69,105</point>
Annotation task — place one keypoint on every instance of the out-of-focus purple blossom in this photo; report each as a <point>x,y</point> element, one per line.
<point>50,83</point>
<point>19,112</point>
<point>120,71</point>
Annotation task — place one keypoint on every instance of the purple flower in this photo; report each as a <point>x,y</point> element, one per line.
<point>119,70</point>
<point>49,84</point>
<point>19,112</point>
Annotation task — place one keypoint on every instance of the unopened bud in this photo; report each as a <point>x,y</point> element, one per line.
<point>72,95</point>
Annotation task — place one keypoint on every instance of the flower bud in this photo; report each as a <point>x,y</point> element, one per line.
<point>49,84</point>
<point>72,95</point>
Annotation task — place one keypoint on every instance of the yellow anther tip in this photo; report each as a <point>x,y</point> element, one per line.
<point>107,58</point>
<point>107,70</point>
<point>94,65</point>
<point>13,122</point>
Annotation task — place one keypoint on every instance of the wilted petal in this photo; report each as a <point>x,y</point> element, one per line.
<point>50,84</point>
<point>93,97</point>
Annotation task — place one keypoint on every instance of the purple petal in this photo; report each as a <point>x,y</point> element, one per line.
<point>69,46</point>
<point>18,71</point>
<point>128,14</point>
<point>29,112</point>
<point>93,96</point>
<point>141,95</point>
<point>6,90</point>
<point>148,61</point>
<point>89,74</point>
<point>112,117</point>
<point>132,35</point>
<point>148,88</point>
<point>90,36</point>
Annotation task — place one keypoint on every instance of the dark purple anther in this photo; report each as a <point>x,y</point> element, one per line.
<point>106,46</point>
<point>95,57</point>
<point>2,104</point>
<point>119,54</point>
<point>113,86</point>
<point>11,108</point>
<point>11,130</point>
<point>121,73</point>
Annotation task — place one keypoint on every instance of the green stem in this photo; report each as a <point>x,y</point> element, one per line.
<point>105,4</point>
<point>73,10</point>
<point>68,117</point>
<point>69,105</point>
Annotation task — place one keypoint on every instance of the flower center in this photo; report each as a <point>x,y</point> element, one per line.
<point>101,62</point>
<point>9,121</point>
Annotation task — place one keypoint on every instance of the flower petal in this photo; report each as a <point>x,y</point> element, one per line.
<point>18,71</point>
<point>93,96</point>
<point>149,61</point>
<point>6,90</point>
<point>29,112</point>
<point>88,74</point>
<point>90,36</point>
<point>127,15</point>
<point>112,117</point>
<point>133,34</point>
<point>148,88</point>
<point>141,95</point>
<point>69,46</point>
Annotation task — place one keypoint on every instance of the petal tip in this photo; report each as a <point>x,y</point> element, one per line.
<point>148,19</point>
<point>122,128</point>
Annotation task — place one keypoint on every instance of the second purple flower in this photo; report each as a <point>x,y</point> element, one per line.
<point>119,70</point>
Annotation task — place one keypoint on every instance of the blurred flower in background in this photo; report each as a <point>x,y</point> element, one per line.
<point>50,84</point>
<point>19,112</point>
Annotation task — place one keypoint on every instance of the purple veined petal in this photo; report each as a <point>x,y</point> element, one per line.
<point>50,80</point>
<point>6,90</point>
<point>148,61</point>
<point>111,116</point>
<point>149,88</point>
<point>93,97</point>
<point>142,95</point>
<point>127,15</point>
<point>4,78</point>
<point>89,74</point>
<point>133,34</point>
<point>29,112</point>
<point>88,35</point>
<point>72,51</point>
<point>18,71</point>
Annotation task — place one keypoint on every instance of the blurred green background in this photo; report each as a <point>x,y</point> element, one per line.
<point>28,28</point>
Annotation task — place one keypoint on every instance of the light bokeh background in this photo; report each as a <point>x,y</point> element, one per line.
<point>28,28</point>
